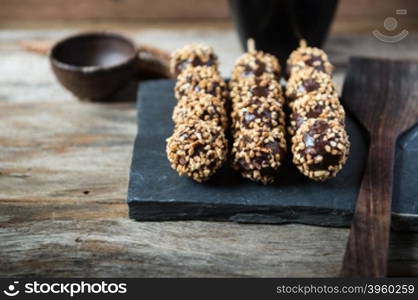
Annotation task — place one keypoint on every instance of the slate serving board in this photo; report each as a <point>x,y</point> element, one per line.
<point>156,192</point>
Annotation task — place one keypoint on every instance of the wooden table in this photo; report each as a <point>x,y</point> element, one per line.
<point>64,170</point>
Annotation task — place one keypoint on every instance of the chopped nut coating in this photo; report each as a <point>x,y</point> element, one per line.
<point>320,144</point>
<point>308,57</point>
<point>255,64</point>
<point>197,149</point>
<point>258,120</point>
<point>202,80</point>
<point>319,106</point>
<point>257,154</point>
<point>192,55</point>
<point>309,81</point>
<point>198,146</point>
<point>320,148</point>
<point>203,107</point>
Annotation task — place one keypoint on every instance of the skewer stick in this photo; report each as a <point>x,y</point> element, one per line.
<point>302,43</point>
<point>251,45</point>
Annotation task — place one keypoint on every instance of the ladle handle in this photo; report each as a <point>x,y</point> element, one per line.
<point>152,62</point>
<point>367,248</point>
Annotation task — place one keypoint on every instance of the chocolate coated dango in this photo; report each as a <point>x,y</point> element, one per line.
<point>192,55</point>
<point>201,80</point>
<point>257,154</point>
<point>320,148</point>
<point>265,116</point>
<point>197,149</point>
<point>258,122</point>
<point>318,106</point>
<point>255,91</point>
<point>309,81</point>
<point>320,144</point>
<point>203,107</point>
<point>198,146</point>
<point>255,64</point>
<point>308,57</point>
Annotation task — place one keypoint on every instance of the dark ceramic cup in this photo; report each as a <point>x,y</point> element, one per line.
<point>93,65</point>
<point>278,25</point>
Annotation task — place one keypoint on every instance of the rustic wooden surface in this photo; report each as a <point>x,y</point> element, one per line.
<point>63,182</point>
<point>357,15</point>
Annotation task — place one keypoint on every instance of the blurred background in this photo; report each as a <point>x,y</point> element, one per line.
<point>351,16</point>
<point>28,27</point>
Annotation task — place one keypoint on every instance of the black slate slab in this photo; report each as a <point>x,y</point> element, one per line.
<point>156,192</point>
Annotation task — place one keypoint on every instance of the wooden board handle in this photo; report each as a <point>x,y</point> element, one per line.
<point>367,248</point>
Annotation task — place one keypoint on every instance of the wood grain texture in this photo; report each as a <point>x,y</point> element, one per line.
<point>64,174</point>
<point>111,9</point>
<point>352,15</point>
<point>383,95</point>
<point>64,171</point>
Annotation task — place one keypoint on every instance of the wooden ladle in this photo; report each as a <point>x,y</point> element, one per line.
<point>94,65</point>
<point>383,95</point>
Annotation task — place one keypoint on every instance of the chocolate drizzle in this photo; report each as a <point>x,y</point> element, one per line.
<point>315,144</point>
<point>260,91</point>
<point>259,70</point>
<point>195,62</point>
<point>316,62</point>
<point>311,85</point>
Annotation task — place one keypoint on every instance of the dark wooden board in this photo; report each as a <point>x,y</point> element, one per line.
<point>156,192</point>
<point>383,96</point>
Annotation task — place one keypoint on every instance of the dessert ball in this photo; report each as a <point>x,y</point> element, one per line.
<point>254,91</point>
<point>309,57</point>
<point>202,80</point>
<point>320,148</point>
<point>203,107</point>
<point>317,106</point>
<point>197,149</point>
<point>265,116</point>
<point>309,81</point>
<point>255,64</point>
<point>257,154</point>
<point>192,55</point>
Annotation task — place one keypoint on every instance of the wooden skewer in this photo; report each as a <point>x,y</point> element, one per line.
<point>302,43</point>
<point>251,45</point>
